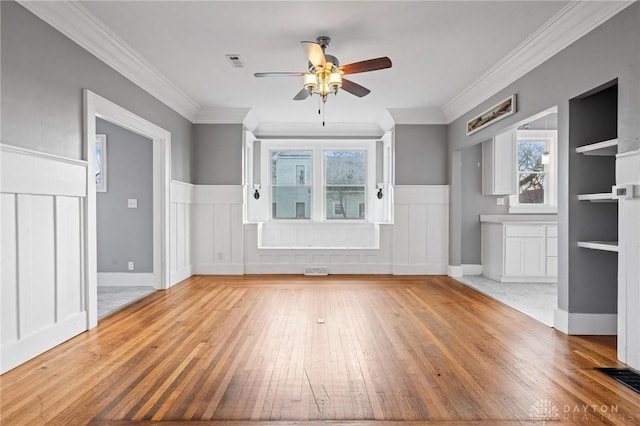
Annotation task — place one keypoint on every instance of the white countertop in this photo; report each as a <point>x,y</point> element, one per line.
<point>519,218</point>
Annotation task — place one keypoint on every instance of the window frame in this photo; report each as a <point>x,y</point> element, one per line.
<point>318,195</point>
<point>269,167</point>
<point>550,137</point>
<point>324,184</point>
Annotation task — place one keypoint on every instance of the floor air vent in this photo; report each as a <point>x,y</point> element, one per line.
<point>316,270</point>
<point>627,377</point>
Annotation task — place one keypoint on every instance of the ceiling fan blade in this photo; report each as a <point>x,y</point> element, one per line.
<point>368,65</point>
<point>278,74</point>
<point>302,95</point>
<point>354,88</point>
<point>314,53</point>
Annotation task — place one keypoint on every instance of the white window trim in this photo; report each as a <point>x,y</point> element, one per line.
<point>551,206</point>
<point>318,148</point>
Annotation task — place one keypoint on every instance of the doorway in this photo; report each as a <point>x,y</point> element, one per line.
<point>95,107</point>
<point>124,210</point>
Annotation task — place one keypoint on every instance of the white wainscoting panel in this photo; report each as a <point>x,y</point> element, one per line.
<point>42,258</point>
<point>217,230</point>
<point>421,229</point>
<point>208,219</point>
<point>180,231</point>
<point>338,261</point>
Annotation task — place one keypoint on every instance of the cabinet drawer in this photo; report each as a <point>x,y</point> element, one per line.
<point>524,231</point>
<point>552,247</point>
<point>552,231</point>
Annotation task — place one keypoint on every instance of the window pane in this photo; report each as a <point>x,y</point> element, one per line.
<point>530,156</point>
<point>531,188</point>
<point>291,167</point>
<point>345,167</point>
<point>345,202</point>
<point>291,202</point>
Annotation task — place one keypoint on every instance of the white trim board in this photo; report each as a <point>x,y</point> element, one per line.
<point>455,271</point>
<point>126,279</point>
<point>585,324</point>
<point>76,22</point>
<point>298,269</point>
<point>97,106</point>
<point>574,21</point>
<point>472,269</point>
<point>19,351</point>
<point>24,171</point>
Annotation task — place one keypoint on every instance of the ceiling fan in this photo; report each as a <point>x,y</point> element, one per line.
<point>325,73</point>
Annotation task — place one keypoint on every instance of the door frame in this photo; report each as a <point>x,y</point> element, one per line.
<point>96,106</point>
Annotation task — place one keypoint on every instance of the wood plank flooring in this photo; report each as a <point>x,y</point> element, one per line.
<point>218,348</point>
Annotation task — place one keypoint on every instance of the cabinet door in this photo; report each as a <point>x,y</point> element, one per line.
<point>534,256</point>
<point>514,257</point>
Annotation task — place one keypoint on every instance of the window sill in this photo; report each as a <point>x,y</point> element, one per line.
<point>318,236</point>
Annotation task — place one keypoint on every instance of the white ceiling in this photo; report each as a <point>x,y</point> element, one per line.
<point>438,48</point>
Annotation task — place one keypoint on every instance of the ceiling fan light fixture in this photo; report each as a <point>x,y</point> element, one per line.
<point>335,81</point>
<point>310,81</point>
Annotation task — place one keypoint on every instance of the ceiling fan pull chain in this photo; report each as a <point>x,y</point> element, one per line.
<point>323,107</point>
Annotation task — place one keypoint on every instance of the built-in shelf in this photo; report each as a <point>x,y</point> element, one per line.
<point>599,245</point>
<point>606,148</point>
<point>604,197</point>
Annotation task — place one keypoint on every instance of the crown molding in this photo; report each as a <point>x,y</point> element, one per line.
<point>572,22</point>
<point>76,22</point>
<point>220,115</point>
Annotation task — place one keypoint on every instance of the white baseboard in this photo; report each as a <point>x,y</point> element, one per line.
<point>126,279</point>
<point>472,269</point>
<point>455,271</point>
<point>529,279</point>
<point>181,275</point>
<point>20,351</point>
<point>287,268</point>
<point>419,269</point>
<point>585,324</point>
<point>218,269</point>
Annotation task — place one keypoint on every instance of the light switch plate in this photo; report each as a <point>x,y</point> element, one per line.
<point>132,203</point>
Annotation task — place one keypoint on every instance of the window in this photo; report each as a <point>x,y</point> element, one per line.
<point>318,180</point>
<point>345,184</point>
<point>532,171</point>
<point>291,184</point>
<point>535,172</point>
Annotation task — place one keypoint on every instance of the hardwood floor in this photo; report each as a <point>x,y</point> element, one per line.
<point>250,348</point>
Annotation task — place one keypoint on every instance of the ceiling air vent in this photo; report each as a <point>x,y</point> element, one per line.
<point>235,61</point>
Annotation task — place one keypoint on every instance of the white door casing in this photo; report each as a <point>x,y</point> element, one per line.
<point>97,106</point>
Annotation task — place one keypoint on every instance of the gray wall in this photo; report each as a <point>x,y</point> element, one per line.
<point>43,74</point>
<point>610,51</point>
<point>474,204</point>
<point>218,154</point>
<point>421,154</point>
<point>125,234</point>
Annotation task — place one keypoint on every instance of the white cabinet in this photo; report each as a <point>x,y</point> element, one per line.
<point>520,252</point>
<point>498,165</point>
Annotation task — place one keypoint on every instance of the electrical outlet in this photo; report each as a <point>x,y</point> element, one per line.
<point>500,201</point>
<point>132,203</point>
<point>130,266</point>
<point>320,321</point>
